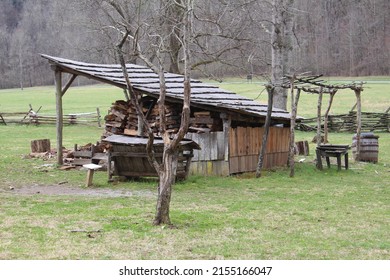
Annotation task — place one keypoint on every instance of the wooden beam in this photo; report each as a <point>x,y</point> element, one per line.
<point>294,110</point>
<point>319,121</point>
<point>59,115</point>
<point>332,94</point>
<point>68,84</point>
<point>226,120</point>
<point>358,121</point>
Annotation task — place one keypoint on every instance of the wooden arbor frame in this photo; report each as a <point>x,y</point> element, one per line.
<point>314,85</point>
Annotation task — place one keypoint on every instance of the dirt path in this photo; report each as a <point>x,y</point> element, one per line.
<point>67,190</point>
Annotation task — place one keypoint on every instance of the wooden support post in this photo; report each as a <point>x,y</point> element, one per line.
<point>99,117</point>
<point>140,123</point>
<point>59,113</point>
<point>270,90</point>
<point>358,120</point>
<point>319,105</point>
<point>226,119</point>
<point>319,163</point>
<point>331,96</point>
<point>109,167</point>
<point>294,109</point>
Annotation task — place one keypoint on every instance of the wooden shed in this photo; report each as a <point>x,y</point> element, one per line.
<point>228,127</point>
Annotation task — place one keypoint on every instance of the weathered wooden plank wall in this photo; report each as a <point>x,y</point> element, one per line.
<point>210,160</point>
<point>212,145</point>
<point>245,144</point>
<point>244,148</point>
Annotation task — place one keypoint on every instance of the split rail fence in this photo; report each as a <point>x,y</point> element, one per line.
<point>31,117</point>
<point>347,122</point>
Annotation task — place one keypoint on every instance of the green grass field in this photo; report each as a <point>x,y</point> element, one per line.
<point>315,215</point>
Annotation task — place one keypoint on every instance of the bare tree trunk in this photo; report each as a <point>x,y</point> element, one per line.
<point>270,90</point>
<point>135,100</point>
<point>175,14</point>
<point>281,41</point>
<point>166,180</point>
<point>280,94</point>
<point>168,174</point>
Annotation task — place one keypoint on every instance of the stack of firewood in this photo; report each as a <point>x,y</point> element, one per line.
<point>122,119</point>
<point>132,120</point>
<point>172,115</point>
<point>203,121</point>
<point>116,119</point>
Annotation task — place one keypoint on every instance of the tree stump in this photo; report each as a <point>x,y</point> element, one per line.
<point>40,146</point>
<point>302,148</point>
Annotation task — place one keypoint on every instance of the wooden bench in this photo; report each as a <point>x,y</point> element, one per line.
<point>91,170</point>
<point>328,151</point>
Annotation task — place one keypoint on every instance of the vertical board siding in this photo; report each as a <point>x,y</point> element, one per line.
<point>212,146</point>
<point>210,160</point>
<point>245,144</point>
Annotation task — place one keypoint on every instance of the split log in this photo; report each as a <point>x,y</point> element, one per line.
<point>40,146</point>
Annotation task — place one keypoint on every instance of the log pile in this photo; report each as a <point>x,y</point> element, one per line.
<point>116,120</point>
<point>204,121</point>
<point>122,119</point>
<point>131,127</point>
<point>173,118</point>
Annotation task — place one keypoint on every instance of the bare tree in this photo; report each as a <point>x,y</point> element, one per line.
<point>167,168</point>
<point>282,32</point>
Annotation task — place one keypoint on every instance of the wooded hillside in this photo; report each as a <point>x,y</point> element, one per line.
<point>332,37</point>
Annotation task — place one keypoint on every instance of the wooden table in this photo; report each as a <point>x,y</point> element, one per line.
<point>336,151</point>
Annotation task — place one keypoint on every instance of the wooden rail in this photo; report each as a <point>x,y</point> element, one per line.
<point>347,122</point>
<point>30,117</point>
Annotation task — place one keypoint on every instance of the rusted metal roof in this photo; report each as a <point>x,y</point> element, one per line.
<point>145,80</point>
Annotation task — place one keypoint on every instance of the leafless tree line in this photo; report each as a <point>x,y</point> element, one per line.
<point>231,37</point>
